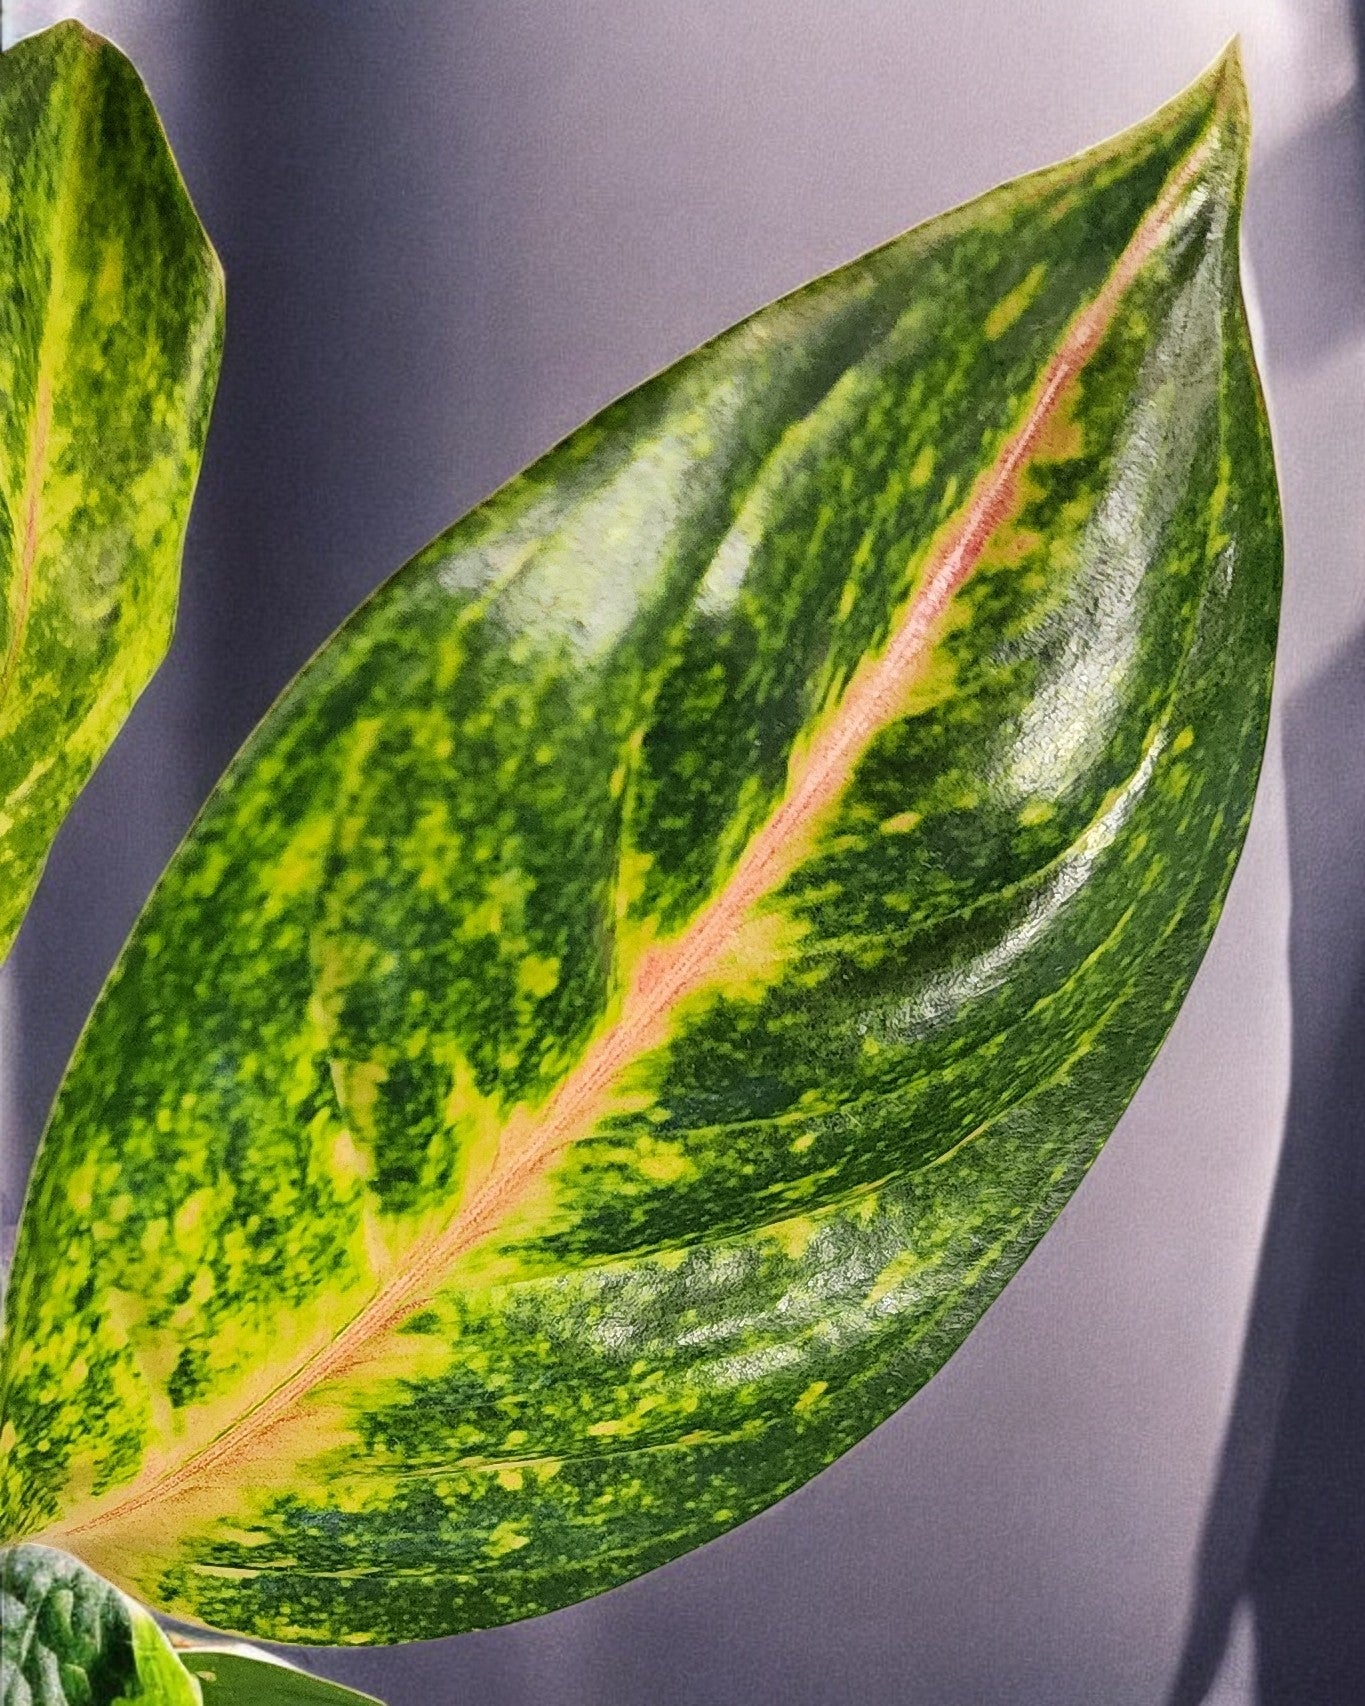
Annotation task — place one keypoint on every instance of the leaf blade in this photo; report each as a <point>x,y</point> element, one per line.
<point>650,1183</point>
<point>110,333</point>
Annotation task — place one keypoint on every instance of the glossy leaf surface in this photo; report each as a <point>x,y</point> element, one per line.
<point>69,1639</point>
<point>110,327</point>
<point>656,974</point>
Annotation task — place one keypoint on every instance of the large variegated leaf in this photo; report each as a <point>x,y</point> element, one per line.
<point>656,974</point>
<point>69,1639</point>
<point>110,326</point>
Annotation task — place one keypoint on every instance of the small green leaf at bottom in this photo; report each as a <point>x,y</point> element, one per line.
<point>238,1676</point>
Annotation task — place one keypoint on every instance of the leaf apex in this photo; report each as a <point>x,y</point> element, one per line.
<point>1225,85</point>
<point>72,34</point>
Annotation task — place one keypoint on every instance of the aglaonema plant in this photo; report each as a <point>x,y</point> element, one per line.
<point>651,980</point>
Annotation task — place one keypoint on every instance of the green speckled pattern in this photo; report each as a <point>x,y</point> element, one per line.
<point>656,974</point>
<point>111,306</point>
<point>69,1639</point>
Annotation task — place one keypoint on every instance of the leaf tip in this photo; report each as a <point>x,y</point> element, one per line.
<point>1224,84</point>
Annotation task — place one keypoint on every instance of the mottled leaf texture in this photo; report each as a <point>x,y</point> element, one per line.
<point>111,305</point>
<point>69,1639</point>
<point>654,976</point>
<point>237,1677</point>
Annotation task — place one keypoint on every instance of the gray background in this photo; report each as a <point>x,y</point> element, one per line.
<point>451,232</point>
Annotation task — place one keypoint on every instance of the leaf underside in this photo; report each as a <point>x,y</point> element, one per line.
<point>111,307</point>
<point>655,975</point>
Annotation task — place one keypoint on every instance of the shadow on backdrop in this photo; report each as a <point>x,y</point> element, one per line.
<point>1285,1530</point>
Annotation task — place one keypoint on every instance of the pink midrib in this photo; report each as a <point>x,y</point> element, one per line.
<point>669,974</point>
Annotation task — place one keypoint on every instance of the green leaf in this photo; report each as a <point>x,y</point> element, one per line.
<point>69,1639</point>
<point>235,1677</point>
<point>655,975</point>
<point>111,305</point>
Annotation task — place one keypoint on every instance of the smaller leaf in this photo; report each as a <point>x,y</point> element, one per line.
<point>111,319</point>
<point>240,1676</point>
<point>68,1638</point>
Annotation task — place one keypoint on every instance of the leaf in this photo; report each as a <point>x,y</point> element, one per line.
<point>111,306</point>
<point>69,1639</point>
<point>654,976</point>
<point>231,1677</point>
